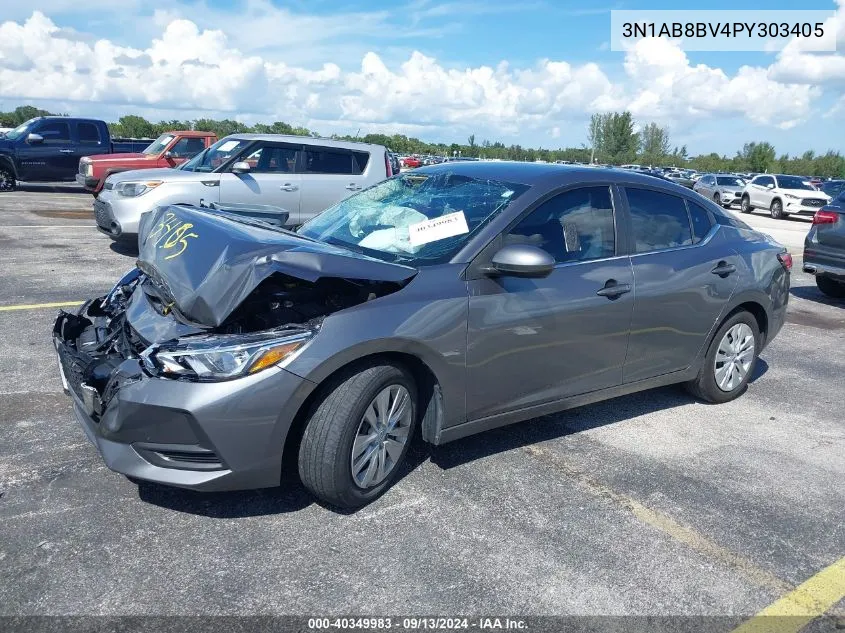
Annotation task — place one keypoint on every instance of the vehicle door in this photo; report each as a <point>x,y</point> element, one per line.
<point>53,158</point>
<point>270,180</point>
<point>762,196</point>
<point>329,175</point>
<point>685,273</point>
<point>89,140</point>
<point>537,340</point>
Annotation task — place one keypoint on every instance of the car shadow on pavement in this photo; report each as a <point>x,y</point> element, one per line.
<point>811,293</point>
<point>290,496</point>
<point>559,425</point>
<point>124,247</point>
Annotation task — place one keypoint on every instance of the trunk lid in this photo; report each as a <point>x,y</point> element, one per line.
<point>206,262</point>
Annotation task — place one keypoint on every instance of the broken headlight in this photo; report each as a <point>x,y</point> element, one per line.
<point>223,357</point>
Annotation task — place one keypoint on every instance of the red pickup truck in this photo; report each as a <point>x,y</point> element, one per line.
<point>168,150</point>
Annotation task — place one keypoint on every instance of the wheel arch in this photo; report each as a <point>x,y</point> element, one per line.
<point>6,161</point>
<point>428,391</point>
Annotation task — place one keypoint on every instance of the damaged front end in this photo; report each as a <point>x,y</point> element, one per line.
<point>178,373</point>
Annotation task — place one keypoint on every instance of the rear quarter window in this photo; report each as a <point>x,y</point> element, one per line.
<point>359,162</point>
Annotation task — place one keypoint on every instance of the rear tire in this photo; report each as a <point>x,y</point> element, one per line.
<point>734,350</point>
<point>831,287</point>
<point>7,179</point>
<point>745,205</point>
<point>338,425</point>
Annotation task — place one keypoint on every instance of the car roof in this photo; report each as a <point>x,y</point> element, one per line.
<point>307,140</point>
<point>191,133</point>
<point>549,174</point>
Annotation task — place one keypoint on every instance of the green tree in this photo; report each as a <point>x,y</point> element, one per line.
<point>655,144</point>
<point>132,126</point>
<point>757,157</point>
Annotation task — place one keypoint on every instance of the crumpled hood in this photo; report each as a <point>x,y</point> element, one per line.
<point>207,264</point>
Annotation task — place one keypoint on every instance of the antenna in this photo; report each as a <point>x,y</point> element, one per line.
<point>357,133</point>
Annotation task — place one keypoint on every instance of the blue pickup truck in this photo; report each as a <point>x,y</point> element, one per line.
<point>48,149</point>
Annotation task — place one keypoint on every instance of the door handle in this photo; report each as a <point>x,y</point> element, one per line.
<point>723,269</point>
<point>353,187</point>
<point>66,151</point>
<point>612,289</point>
<point>288,187</point>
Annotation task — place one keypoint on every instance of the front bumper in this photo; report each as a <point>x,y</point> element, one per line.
<point>118,216</point>
<point>798,208</point>
<point>89,184</point>
<point>203,436</point>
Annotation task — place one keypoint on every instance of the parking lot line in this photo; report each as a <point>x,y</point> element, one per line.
<point>809,600</point>
<point>38,306</point>
<point>666,524</point>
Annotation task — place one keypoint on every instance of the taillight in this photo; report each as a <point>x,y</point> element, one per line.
<point>825,217</point>
<point>786,260</point>
<point>388,169</point>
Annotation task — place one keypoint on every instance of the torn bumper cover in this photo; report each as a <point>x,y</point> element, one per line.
<point>179,433</point>
<point>208,263</point>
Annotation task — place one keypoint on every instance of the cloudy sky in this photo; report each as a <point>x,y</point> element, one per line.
<point>528,72</point>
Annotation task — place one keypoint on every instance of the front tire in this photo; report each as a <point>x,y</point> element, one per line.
<point>358,434</point>
<point>7,179</point>
<point>717,199</point>
<point>730,360</point>
<point>745,205</point>
<point>776,210</point>
<point>831,287</point>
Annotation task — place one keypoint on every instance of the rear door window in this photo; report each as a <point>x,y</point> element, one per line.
<point>659,221</point>
<point>359,162</point>
<point>323,160</point>
<point>89,134</point>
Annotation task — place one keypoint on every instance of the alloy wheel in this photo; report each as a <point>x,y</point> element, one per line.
<point>381,436</point>
<point>777,210</point>
<point>7,180</point>
<point>734,357</point>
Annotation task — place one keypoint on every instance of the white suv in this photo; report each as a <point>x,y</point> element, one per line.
<point>782,195</point>
<point>300,175</point>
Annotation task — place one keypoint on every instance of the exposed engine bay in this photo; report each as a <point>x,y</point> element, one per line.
<point>283,300</point>
<point>109,341</point>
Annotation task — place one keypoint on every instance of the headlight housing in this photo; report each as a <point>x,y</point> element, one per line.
<point>220,357</point>
<point>133,189</point>
<point>89,170</point>
<point>791,197</point>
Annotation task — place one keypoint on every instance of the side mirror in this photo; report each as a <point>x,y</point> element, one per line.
<point>168,154</point>
<point>34,139</point>
<point>770,186</point>
<point>521,260</point>
<point>241,167</point>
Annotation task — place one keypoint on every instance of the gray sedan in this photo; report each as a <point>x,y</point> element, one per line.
<point>444,302</point>
<point>723,189</point>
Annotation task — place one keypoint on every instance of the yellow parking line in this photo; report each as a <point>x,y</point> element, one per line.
<point>802,605</point>
<point>37,306</point>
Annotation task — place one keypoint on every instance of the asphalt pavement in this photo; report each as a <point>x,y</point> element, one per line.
<point>650,504</point>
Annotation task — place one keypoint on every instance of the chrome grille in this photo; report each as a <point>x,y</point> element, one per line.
<point>812,202</point>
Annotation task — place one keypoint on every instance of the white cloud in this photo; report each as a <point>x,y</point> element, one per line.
<point>672,89</point>
<point>189,68</point>
<point>796,65</point>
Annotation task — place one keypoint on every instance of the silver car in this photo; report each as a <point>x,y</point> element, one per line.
<point>301,175</point>
<point>723,189</point>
